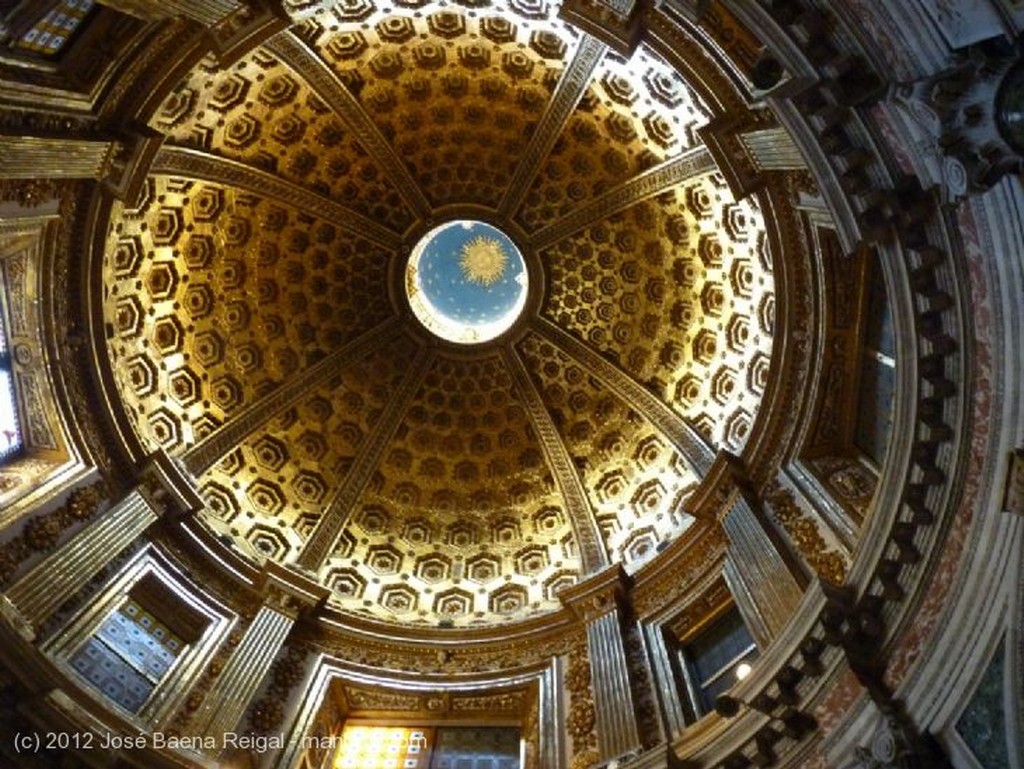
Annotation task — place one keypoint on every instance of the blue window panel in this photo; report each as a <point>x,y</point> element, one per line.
<point>10,427</point>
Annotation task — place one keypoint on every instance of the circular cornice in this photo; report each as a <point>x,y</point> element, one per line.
<point>639,335</point>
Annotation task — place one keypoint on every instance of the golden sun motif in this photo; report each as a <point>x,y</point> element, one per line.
<point>483,260</point>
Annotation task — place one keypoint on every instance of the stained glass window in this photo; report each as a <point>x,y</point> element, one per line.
<point>10,425</point>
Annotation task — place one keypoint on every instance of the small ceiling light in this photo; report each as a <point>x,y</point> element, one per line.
<point>742,671</point>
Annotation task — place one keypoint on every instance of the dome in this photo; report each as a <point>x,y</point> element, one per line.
<point>264,277</point>
<point>587,384</point>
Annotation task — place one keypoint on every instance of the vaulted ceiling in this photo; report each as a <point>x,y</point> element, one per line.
<point>258,327</point>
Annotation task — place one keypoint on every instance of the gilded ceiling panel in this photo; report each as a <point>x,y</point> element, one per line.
<point>261,113</point>
<point>270,492</point>
<point>635,480</point>
<point>635,114</point>
<point>677,290</point>
<point>426,568</point>
<point>214,296</point>
<point>418,484</point>
<point>457,95</point>
<point>462,514</point>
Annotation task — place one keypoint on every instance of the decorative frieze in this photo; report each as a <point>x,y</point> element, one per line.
<point>581,720</point>
<point>41,533</point>
<point>803,531</point>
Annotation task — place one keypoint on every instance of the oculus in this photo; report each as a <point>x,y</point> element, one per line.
<point>466,282</point>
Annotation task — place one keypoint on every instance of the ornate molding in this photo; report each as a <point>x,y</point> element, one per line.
<point>592,553</point>
<point>567,95</point>
<point>177,161</point>
<point>292,51</point>
<point>803,532</point>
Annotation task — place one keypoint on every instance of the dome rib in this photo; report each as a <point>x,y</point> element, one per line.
<point>691,444</point>
<point>338,511</point>
<point>647,184</point>
<point>570,90</point>
<point>202,455</point>
<point>293,52</point>
<point>593,555</point>
<point>197,164</point>
<point>371,133</point>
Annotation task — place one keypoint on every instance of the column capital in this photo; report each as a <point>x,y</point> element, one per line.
<point>710,501</point>
<point>128,166</point>
<point>602,593</point>
<point>10,614</point>
<point>289,591</point>
<point>168,487</point>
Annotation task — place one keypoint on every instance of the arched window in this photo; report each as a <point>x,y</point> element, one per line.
<point>10,424</point>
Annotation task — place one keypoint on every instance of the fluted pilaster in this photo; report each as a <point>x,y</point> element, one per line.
<point>598,603</point>
<point>551,747</point>
<point>58,576</point>
<point>761,577</point>
<point>227,700</point>
<point>33,157</point>
<point>206,12</point>
<point>613,698</point>
<point>773,149</point>
<point>668,692</point>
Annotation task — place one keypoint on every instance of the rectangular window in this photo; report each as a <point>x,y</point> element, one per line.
<point>51,32</point>
<point>404,747</point>
<point>10,425</point>
<point>710,659</point>
<point>128,655</point>
<point>147,634</point>
<point>877,374</point>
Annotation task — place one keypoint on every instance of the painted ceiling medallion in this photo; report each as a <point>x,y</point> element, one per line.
<point>483,261</point>
<point>466,282</point>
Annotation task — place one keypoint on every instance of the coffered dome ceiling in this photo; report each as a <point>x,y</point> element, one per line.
<point>259,330</point>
